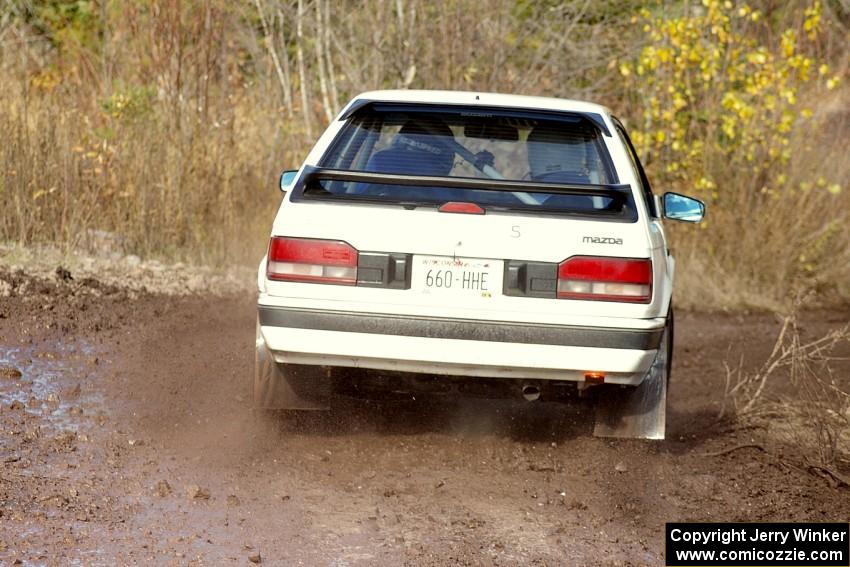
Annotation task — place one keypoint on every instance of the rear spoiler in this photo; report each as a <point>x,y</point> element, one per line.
<point>593,117</point>
<point>619,193</point>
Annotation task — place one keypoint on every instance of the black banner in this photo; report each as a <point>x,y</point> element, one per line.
<point>757,544</point>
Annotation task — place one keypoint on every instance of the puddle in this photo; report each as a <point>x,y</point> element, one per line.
<point>55,383</point>
<point>55,472</point>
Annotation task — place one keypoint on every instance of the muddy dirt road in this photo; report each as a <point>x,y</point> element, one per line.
<point>128,438</point>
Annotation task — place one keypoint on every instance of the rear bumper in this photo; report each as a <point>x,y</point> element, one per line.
<point>459,329</point>
<point>466,347</point>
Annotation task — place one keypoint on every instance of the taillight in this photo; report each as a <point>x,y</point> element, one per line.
<point>606,279</point>
<point>311,260</point>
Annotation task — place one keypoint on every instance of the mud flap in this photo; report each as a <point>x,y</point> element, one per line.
<point>272,387</point>
<point>641,412</point>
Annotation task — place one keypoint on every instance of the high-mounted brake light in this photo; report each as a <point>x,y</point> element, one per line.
<point>605,279</point>
<point>311,260</point>
<point>461,207</point>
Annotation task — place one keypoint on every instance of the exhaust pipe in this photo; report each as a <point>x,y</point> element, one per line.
<point>530,392</point>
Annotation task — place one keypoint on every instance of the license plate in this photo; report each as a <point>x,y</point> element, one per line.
<point>459,277</point>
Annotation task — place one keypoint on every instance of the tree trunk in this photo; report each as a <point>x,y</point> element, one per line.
<point>287,74</point>
<point>320,58</point>
<point>329,56</point>
<point>268,39</point>
<point>302,72</point>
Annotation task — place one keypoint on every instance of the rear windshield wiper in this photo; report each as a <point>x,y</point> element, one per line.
<point>316,190</point>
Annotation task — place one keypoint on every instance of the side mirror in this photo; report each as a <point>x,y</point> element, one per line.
<point>286,179</point>
<point>683,208</point>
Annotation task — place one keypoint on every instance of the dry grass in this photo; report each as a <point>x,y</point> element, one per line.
<point>798,398</point>
<point>761,250</point>
<point>196,192</point>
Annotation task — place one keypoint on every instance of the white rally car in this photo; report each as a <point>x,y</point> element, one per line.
<point>441,241</point>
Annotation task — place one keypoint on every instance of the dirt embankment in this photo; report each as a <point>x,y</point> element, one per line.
<point>128,438</point>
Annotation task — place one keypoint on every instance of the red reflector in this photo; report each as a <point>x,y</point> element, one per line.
<point>312,260</point>
<point>461,207</point>
<point>606,279</point>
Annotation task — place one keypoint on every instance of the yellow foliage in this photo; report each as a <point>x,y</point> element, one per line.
<point>710,93</point>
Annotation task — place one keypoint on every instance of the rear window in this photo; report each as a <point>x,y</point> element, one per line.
<point>471,143</point>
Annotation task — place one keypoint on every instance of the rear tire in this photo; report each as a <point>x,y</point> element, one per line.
<point>286,386</point>
<point>671,327</point>
<point>639,412</point>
